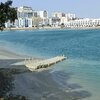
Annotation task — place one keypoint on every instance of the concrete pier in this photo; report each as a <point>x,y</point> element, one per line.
<point>34,65</point>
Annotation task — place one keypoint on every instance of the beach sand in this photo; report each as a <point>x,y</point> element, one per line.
<point>43,85</point>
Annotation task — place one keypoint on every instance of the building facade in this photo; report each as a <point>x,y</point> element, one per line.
<point>59,18</point>
<point>29,18</point>
<point>83,23</point>
<point>44,16</point>
<point>70,16</point>
<point>24,15</point>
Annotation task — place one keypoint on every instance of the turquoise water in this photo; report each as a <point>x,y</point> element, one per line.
<point>82,47</point>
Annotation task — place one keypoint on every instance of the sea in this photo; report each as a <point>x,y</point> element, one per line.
<point>81,47</point>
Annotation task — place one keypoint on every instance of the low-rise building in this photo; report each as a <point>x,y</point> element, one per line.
<point>29,18</point>
<point>70,16</point>
<point>44,16</point>
<point>58,14</point>
<point>83,23</point>
<point>59,18</point>
<point>24,12</point>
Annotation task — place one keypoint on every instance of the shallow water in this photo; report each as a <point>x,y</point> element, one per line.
<point>82,47</point>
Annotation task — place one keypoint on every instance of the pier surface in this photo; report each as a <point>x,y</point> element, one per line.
<point>39,64</point>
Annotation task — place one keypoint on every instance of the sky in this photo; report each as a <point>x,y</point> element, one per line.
<point>82,8</point>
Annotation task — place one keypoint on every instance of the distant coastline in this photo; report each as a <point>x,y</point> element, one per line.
<point>50,28</point>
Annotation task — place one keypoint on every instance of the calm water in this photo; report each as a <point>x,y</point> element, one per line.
<point>82,47</point>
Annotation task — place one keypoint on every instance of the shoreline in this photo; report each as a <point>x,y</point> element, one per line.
<point>51,28</point>
<point>31,28</point>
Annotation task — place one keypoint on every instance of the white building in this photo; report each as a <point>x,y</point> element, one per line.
<point>58,14</point>
<point>64,20</point>
<point>83,23</point>
<point>50,21</point>
<point>24,15</point>
<point>24,12</point>
<point>35,14</point>
<point>56,18</point>
<point>59,18</point>
<point>44,16</point>
<point>24,22</point>
<point>56,21</point>
<point>70,16</point>
<point>9,24</point>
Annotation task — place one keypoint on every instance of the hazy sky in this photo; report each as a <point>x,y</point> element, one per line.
<point>82,8</point>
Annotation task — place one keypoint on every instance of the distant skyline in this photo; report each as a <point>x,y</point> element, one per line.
<point>82,8</point>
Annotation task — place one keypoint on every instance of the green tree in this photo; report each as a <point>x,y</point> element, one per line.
<point>13,15</point>
<point>7,12</point>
